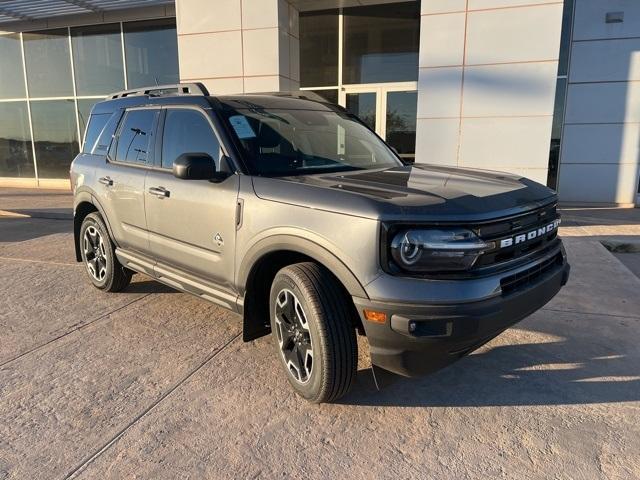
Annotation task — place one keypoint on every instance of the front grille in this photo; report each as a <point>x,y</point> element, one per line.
<point>513,283</point>
<point>510,228</point>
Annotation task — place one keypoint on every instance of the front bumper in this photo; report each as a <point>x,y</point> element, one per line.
<point>422,337</point>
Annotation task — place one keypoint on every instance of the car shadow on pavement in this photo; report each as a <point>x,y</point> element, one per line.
<point>149,286</point>
<point>20,229</point>
<point>556,373</point>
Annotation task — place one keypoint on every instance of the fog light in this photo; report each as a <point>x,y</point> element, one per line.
<point>412,327</point>
<point>374,316</point>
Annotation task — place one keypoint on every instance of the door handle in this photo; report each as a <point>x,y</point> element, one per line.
<point>106,181</point>
<point>160,192</point>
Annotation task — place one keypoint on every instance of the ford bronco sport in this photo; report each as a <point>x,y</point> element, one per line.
<point>291,212</point>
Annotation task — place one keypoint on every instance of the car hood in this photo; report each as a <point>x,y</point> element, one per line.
<point>418,193</point>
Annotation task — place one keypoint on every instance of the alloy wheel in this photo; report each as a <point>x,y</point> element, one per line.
<point>95,253</point>
<point>294,337</point>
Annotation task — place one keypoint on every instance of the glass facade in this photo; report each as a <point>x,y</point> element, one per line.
<point>97,59</point>
<point>151,52</point>
<point>402,113</point>
<point>381,43</point>
<point>67,71</point>
<point>55,136</point>
<point>319,44</point>
<point>561,94</point>
<point>377,79</point>
<point>11,79</point>
<point>16,155</point>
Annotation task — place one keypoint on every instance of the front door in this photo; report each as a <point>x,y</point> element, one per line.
<point>191,223</point>
<point>389,110</point>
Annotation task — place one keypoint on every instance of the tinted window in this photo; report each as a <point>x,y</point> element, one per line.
<point>381,43</point>
<point>97,59</point>
<point>319,48</point>
<point>187,131</point>
<point>96,124</point>
<point>151,52</point>
<point>135,138</point>
<point>16,159</point>
<point>48,63</point>
<point>56,136</point>
<point>11,74</point>
<point>84,109</point>
<point>106,136</point>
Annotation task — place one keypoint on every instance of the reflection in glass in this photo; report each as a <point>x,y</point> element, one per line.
<point>16,157</point>
<point>48,64</point>
<point>151,52</point>
<point>187,131</point>
<point>565,39</point>
<point>330,96</point>
<point>135,135</point>
<point>363,105</point>
<point>381,43</point>
<point>556,132</point>
<point>55,134</point>
<point>97,59</point>
<point>11,75</point>
<point>401,122</point>
<point>84,109</point>
<point>319,48</point>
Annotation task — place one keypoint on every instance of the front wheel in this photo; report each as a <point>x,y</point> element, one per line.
<point>98,254</point>
<point>312,330</point>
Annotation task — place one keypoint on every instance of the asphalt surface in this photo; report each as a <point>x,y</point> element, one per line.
<point>152,383</point>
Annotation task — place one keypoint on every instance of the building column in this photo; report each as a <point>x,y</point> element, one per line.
<point>239,46</point>
<point>486,84</point>
<point>599,162</point>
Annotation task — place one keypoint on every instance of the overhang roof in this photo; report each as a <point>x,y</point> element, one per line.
<point>29,10</point>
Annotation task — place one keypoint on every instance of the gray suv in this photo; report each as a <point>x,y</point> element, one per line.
<point>291,212</point>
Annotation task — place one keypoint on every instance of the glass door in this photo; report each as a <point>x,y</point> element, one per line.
<point>390,110</point>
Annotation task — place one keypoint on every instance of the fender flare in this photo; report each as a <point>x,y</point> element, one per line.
<point>86,196</point>
<point>303,246</point>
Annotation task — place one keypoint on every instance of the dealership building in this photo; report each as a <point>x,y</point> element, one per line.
<point>545,89</point>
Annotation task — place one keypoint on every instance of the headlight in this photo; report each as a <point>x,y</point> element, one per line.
<point>437,250</point>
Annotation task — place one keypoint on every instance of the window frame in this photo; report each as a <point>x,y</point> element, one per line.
<point>157,164</point>
<point>113,148</point>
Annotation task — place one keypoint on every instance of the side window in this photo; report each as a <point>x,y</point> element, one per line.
<point>136,136</point>
<point>187,131</point>
<point>96,124</point>
<point>104,143</point>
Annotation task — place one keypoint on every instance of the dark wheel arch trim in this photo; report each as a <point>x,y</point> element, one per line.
<point>254,326</point>
<point>86,198</point>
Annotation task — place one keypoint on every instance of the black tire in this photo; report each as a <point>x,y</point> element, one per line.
<point>332,338</point>
<point>103,268</point>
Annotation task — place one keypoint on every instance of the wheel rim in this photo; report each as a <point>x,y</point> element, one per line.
<point>294,337</point>
<point>95,253</point>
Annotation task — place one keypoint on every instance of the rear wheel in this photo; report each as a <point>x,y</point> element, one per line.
<point>312,331</point>
<point>98,254</point>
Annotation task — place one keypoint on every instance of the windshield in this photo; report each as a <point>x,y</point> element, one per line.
<point>278,142</point>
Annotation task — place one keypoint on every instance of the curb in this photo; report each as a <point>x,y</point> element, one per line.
<point>37,214</point>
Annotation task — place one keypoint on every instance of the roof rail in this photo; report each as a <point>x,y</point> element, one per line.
<point>164,90</point>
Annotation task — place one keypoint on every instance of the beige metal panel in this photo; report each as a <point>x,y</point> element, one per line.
<point>514,34</point>
<point>442,39</point>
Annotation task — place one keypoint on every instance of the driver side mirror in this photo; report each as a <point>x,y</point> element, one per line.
<point>194,166</point>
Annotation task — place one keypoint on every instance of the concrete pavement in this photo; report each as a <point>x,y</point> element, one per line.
<point>152,383</point>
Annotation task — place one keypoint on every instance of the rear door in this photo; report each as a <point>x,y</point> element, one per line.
<point>121,178</point>
<point>192,226</point>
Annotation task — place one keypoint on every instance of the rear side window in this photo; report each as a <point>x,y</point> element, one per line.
<point>136,136</point>
<point>96,124</point>
<point>187,131</point>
